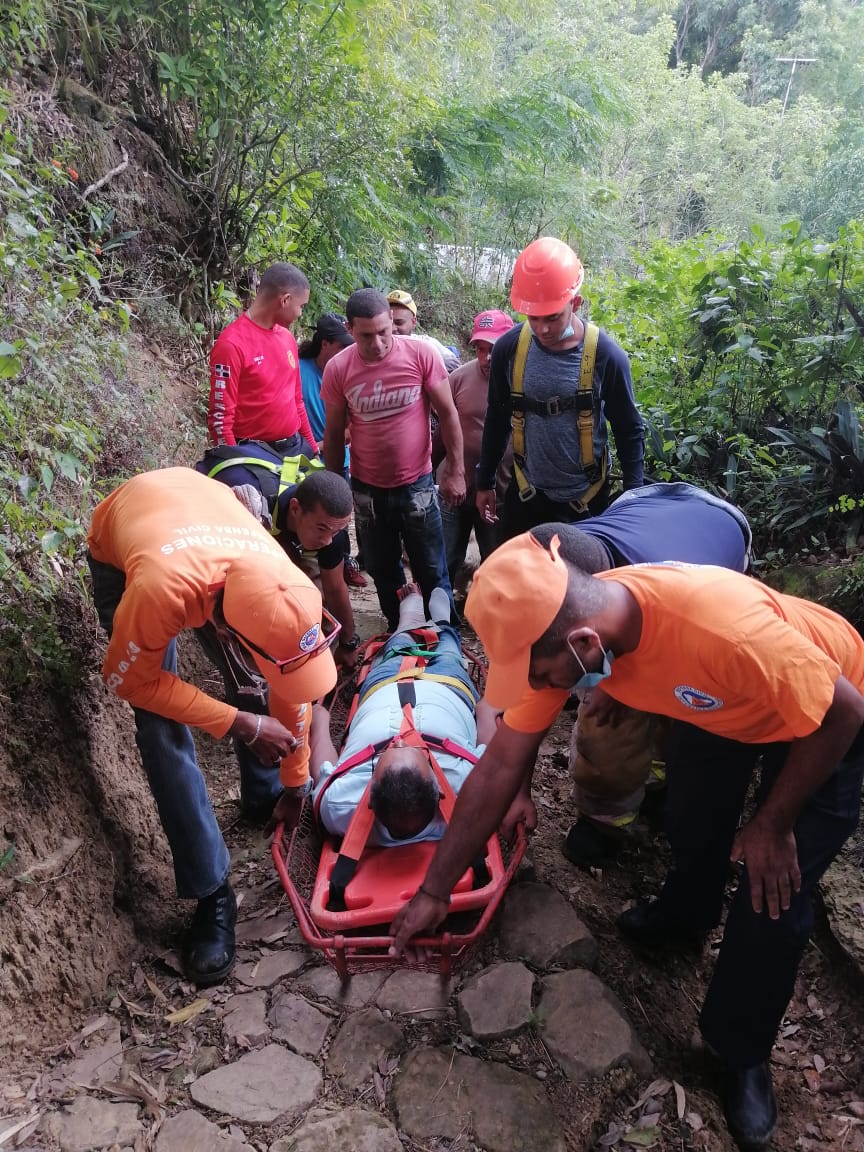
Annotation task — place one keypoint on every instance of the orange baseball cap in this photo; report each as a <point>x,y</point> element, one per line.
<point>275,610</point>
<point>514,597</point>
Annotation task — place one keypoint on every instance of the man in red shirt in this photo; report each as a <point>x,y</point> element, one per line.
<point>255,389</point>
<point>388,385</point>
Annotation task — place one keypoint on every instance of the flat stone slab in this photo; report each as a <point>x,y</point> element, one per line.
<point>364,1039</point>
<point>585,1028</point>
<point>356,993</point>
<point>539,926</point>
<point>98,1064</point>
<point>260,1087</point>
<point>89,1123</point>
<point>265,929</point>
<point>270,969</point>
<point>352,1129</point>
<point>409,993</point>
<point>246,1016</point>
<point>191,1132</point>
<point>438,1093</point>
<point>497,1001</point>
<point>298,1023</point>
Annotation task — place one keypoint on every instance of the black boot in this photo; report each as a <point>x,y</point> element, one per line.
<point>210,949</point>
<point>649,924</point>
<point>588,844</point>
<point>749,1105</point>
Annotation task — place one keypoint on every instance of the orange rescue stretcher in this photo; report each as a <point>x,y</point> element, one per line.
<point>345,895</point>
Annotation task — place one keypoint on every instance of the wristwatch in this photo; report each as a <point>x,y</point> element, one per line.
<point>350,643</point>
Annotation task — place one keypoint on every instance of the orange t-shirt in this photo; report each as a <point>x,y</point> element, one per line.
<point>173,533</point>
<point>723,652</point>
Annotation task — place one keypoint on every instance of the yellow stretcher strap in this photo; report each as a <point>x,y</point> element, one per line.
<point>422,674</point>
<point>585,419</point>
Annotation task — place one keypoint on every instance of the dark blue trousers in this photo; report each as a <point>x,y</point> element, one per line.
<point>753,980</point>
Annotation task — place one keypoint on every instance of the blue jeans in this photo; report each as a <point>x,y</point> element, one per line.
<point>446,661</point>
<point>387,517</point>
<point>753,979</point>
<point>201,861</point>
<point>457,520</point>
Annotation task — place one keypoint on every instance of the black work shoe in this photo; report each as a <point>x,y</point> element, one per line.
<point>259,813</point>
<point>647,923</point>
<point>588,845</point>
<point>210,949</point>
<point>749,1105</point>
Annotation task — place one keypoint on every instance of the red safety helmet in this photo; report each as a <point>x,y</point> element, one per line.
<point>547,275</point>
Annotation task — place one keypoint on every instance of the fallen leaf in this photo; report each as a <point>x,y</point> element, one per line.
<point>655,1088</point>
<point>8,1133</point>
<point>812,1078</point>
<point>680,1099</point>
<point>611,1137</point>
<point>189,1012</point>
<point>158,995</point>
<point>95,1025</point>
<point>819,1064</point>
<point>694,1121</point>
<point>132,1008</point>
<point>644,1138</point>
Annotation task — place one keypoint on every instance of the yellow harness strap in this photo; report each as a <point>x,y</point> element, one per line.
<point>585,419</point>
<point>422,674</point>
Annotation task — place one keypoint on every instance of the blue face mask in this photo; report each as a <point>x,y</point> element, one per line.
<point>592,679</point>
<point>568,332</point>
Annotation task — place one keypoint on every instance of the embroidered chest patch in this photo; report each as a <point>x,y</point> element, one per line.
<point>696,699</point>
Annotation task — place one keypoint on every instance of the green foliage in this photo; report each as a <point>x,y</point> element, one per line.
<point>61,350</point>
<point>747,359</point>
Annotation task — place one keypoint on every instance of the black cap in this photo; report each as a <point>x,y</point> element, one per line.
<point>331,326</point>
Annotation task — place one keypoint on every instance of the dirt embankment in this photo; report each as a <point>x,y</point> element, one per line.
<point>87,874</point>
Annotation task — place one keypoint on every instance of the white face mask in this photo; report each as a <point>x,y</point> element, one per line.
<point>592,679</point>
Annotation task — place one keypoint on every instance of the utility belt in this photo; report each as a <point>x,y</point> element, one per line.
<point>555,405</point>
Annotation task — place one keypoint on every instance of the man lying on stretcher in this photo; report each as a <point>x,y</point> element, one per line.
<point>404,794</point>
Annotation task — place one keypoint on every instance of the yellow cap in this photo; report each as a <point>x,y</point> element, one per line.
<point>404,299</point>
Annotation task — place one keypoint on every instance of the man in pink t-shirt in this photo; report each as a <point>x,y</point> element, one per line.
<point>387,385</point>
<point>255,390</point>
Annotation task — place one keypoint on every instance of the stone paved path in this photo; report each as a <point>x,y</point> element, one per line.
<point>283,1059</point>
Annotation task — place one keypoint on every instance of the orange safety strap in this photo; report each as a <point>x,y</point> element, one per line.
<point>355,839</point>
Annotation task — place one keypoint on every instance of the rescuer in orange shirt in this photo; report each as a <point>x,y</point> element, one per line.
<point>170,550</point>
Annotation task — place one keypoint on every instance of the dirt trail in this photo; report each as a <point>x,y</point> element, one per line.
<point>88,911</point>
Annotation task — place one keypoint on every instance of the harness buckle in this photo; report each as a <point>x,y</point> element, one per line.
<point>527,493</point>
<point>553,406</point>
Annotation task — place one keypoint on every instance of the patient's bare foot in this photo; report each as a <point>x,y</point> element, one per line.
<point>412,589</point>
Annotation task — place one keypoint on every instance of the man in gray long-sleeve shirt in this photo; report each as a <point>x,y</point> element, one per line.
<point>561,450</point>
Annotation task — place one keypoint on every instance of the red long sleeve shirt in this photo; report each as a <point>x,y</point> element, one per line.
<point>255,390</point>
